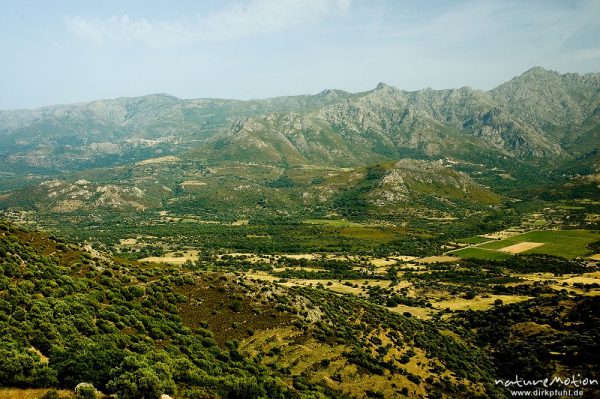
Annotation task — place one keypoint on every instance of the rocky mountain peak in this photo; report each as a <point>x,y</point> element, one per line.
<point>538,71</point>
<point>383,86</point>
<point>328,94</point>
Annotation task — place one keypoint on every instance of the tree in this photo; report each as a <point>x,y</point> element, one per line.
<point>137,378</point>
<point>392,274</point>
<point>470,294</point>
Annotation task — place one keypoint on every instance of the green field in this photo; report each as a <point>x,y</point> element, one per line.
<point>566,243</point>
<point>474,240</point>
<point>478,253</point>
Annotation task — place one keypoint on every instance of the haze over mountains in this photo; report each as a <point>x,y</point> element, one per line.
<point>538,120</point>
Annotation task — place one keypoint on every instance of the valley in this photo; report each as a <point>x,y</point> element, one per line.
<point>379,244</point>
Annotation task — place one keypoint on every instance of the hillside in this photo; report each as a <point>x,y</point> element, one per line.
<point>115,131</point>
<point>69,316</point>
<point>559,104</point>
<point>244,190</point>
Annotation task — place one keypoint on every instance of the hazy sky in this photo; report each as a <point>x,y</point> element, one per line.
<point>70,51</point>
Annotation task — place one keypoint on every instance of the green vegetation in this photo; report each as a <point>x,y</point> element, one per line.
<point>527,340</point>
<point>480,253</point>
<point>134,331</point>
<point>101,322</point>
<point>473,240</point>
<point>566,243</point>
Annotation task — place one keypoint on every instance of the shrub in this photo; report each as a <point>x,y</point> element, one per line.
<point>236,305</point>
<point>85,390</point>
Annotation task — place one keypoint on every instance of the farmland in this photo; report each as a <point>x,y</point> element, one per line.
<point>565,243</point>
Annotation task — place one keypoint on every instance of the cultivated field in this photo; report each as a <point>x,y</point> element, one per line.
<point>477,303</point>
<point>565,243</point>
<point>521,247</point>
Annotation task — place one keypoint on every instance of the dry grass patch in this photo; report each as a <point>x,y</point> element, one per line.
<point>435,259</point>
<point>335,286</point>
<point>529,328</point>
<point>300,256</point>
<point>343,287</point>
<point>379,262</point>
<point>166,159</point>
<point>586,278</point>
<point>261,276</point>
<point>192,183</point>
<point>420,313</point>
<point>538,276</point>
<point>17,393</point>
<point>306,269</point>
<point>521,247</point>
<point>128,241</point>
<point>500,235</point>
<point>172,258</point>
<point>477,303</point>
<point>241,222</point>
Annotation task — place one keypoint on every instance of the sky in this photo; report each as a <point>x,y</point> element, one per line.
<point>68,51</point>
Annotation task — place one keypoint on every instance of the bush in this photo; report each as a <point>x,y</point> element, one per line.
<point>85,390</point>
<point>470,294</point>
<point>236,305</point>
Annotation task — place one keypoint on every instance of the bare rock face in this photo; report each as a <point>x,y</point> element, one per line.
<point>546,98</point>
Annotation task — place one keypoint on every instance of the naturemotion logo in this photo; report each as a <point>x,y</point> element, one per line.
<point>560,386</point>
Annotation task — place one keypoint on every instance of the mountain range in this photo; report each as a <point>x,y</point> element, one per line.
<point>540,123</point>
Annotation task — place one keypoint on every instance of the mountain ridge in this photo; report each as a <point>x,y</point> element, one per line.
<point>422,119</point>
<point>535,70</point>
<point>540,118</point>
